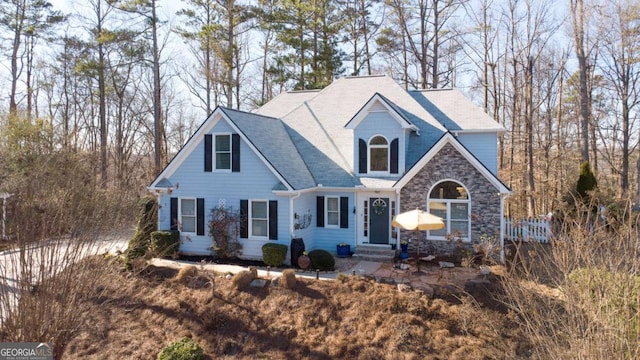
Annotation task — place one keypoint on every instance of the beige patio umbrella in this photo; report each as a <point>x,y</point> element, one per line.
<point>417,220</point>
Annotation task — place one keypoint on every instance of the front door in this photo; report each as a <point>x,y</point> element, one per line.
<point>379,220</point>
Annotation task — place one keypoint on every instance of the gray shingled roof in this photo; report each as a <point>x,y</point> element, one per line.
<point>271,138</point>
<point>317,124</point>
<point>314,125</point>
<point>455,111</point>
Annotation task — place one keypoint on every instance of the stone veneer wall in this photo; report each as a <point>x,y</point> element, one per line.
<point>485,199</point>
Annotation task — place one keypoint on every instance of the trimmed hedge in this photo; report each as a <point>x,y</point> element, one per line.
<point>183,349</point>
<point>274,254</point>
<point>322,260</point>
<point>165,243</point>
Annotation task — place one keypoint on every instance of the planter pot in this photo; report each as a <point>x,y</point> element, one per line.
<point>343,251</point>
<point>304,262</point>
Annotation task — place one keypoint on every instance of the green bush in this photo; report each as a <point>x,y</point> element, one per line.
<point>322,260</point>
<point>183,349</point>
<point>165,243</point>
<point>274,254</point>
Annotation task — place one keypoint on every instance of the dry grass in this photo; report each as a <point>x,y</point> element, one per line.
<point>353,318</point>
<point>289,279</point>
<point>242,279</point>
<point>579,298</point>
<point>185,274</point>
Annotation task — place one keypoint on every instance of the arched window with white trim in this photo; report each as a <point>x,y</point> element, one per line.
<point>378,154</point>
<point>450,200</point>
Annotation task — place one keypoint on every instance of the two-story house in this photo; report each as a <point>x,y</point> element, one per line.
<point>335,165</point>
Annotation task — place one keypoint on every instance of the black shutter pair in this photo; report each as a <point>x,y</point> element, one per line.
<point>235,153</point>
<point>363,151</point>
<point>273,219</point>
<point>200,222</point>
<point>344,212</point>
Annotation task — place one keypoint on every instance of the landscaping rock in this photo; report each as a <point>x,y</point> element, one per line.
<point>258,283</point>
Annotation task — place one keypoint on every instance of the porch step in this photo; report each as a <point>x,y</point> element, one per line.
<point>374,253</point>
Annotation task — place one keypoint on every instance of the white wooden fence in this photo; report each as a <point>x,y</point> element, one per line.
<point>528,230</point>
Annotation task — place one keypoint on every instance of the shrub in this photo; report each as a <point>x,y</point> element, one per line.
<point>586,181</point>
<point>242,279</point>
<point>147,224</point>
<point>462,254</point>
<point>274,254</point>
<point>322,260</point>
<point>289,279</point>
<point>185,273</point>
<point>183,349</point>
<point>224,225</point>
<point>165,243</point>
<point>612,295</point>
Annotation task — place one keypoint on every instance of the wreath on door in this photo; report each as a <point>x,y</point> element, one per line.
<point>379,206</point>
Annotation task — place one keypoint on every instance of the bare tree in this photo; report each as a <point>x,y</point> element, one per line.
<point>579,19</point>
<point>620,65</point>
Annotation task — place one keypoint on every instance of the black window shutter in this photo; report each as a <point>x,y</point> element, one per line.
<point>320,211</point>
<point>174,213</point>
<point>244,219</point>
<point>394,156</point>
<point>235,153</point>
<point>273,220</point>
<point>208,152</point>
<point>344,212</point>
<point>200,219</point>
<point>362,156</point>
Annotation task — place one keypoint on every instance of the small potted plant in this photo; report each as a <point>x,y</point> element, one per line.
<point>404,245</point>
<point>343,249</point>
<point>404,249</point>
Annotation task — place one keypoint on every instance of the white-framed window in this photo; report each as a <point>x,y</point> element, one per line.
<point>378,154</point>
<point>222,152</point>
<point>259,219</point>
<point>187,213</point>
<point>332,209</point>
<point>365,226</point>
<point>450,200</point>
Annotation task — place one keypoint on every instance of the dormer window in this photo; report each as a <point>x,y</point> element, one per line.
<point>378,154</point>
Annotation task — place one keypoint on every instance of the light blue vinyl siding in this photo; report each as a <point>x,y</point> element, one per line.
<point>484,146</point>
<point>379,123</point>
<point>302,205</point>
<point>254,181</point>
<point>327,238</point>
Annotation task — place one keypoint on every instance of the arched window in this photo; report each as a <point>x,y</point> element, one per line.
<point>378,154</point>
<point>450,201</point>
